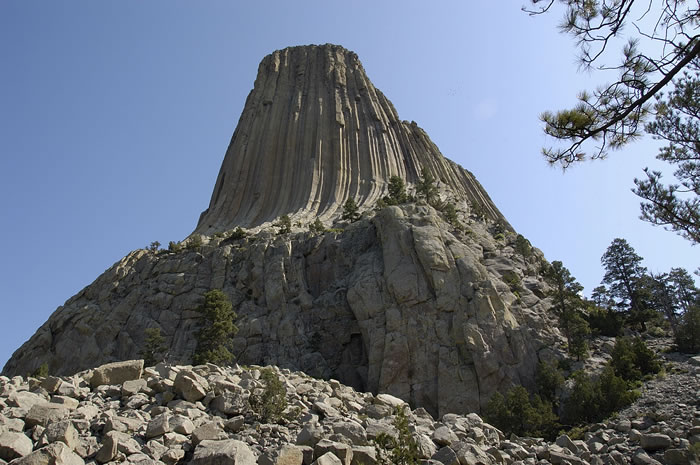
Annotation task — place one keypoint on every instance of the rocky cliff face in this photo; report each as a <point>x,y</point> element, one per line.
<point>317,131</point>
<point>439,313</point>
<point>401,303</point>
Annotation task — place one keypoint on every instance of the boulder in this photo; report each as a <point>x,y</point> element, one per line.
<point>655,441</point>
<point>54,454</point>
<point>226,452</point>
<point>14,445</point>
<point>284,455</point>
<point>116,373</point>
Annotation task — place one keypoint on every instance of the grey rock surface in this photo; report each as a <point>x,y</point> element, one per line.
<point>316,128</point>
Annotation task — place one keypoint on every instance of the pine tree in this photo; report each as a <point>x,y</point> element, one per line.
<point>154,347</point>
<point>350,211</point>
<point>397,192</point>
<point>426,188</point>
<point>568,304</point>
<point>623,275</point>
<point>217,329</point>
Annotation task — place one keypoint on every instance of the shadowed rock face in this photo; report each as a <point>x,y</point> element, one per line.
<point>315,132</point>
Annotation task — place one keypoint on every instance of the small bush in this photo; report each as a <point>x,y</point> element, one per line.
<point>317,227</point>
<point>350,211</point>
<point>632,359</point>
<point>174,246</point>
<point>517,413</point>
<point>450,213</point>
<point>284,224</point>
<point>194,243</point>
<point>269,404</point>
<point>512,279</point>
<point>238,234</point>
<point>605,322</point>
<point>688,331</point>
<point>42,371</point>
<point>478,211</point>
<point>523,246</point>
<point>549,379</point>
<point>155,245</point>
<point>402,449</point>
<point>154,347</point>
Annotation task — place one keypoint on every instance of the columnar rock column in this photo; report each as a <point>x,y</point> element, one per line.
<point>315,132</point>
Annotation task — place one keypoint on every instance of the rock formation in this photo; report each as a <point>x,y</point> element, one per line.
<point>314,132</point>
<point>202,415</point>
<point>439,310</point>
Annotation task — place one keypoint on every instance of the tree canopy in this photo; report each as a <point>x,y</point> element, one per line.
<point>660,54</point>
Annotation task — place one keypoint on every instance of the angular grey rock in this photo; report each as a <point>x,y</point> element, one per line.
<point>364,455</point>
<point>284,455</point>
<point>158,426</point>
<point>42,414</point>
<point>446,456</point>
<point>339,450</point>
<point>53,454</point>
<point>642,458</point>
<point>108,451</point>
<point>327,459</point>
<point>191,386</point>
<point>226,452</point>
<point>14,445</point>
<point>116,372</point>
<point>677,457</point>
<point>443,436</point>
<point>655,441</point>
<point>132,387</point>
<point>63,431</point>
<point>209,431</point>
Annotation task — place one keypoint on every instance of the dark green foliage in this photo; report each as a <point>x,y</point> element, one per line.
<point>42,371</point>
<point>399,450</point>
<point>592,400</point>
<point>350,211</point>
<point>217,329</point>
<point>154,347</point>
<point>269,403</point>
<point>194,243</point>
<point>317,227</point>
<point>674,206</point>
<point>688,332</point>
<point>155,245</point>
<point>427,190</point>
<point>632,359</point>
<point>523,246</point>
<point>517,413</point>
<point>477,210</point>
<point>512,279</point>
<point>624,275</point>
<point>604,321</point>
<point>549,379</point>
<point>450,213</point>
<point>397,192</point>
<point>284,224</point>
<point>174,246</point>
<point>567,305</point>
<point>237,234</point>
<point>577,334</point>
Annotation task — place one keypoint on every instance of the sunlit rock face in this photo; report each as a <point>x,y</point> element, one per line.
<point>440,310</point>
<point>315,132</point>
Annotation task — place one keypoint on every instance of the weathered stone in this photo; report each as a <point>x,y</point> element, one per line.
<point>226,452</point>
<point>446,456</point>
<point>108,451</point>
<point>25,400</point>
<point>158,426</point>
<point>116,372</point>
<point>339,450</point>
<point>63,431</point>
<point>364,455</point>
<point>42,414</point>
<point>209,431</point>
<point>328,459</point>
<point>443,436</point>
<point>67,402</point>
<point>13,445</point>
<point>284,455</point>
<point>565,441</point>
<point>54,454</point>
<point>190,385</point>
<point>677,457</point>
<point>642,458</point>
<point>131,387</point>
<point>351,430</point>
<point>654,441</point>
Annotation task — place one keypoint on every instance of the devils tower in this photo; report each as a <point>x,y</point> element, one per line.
<point>315,132</point>
<point>441,310</point>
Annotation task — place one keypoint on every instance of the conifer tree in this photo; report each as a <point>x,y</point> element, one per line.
<point>217,329</point>
<point>350,211</point>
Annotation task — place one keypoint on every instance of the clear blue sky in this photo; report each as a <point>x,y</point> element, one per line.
<point>115,116</point>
